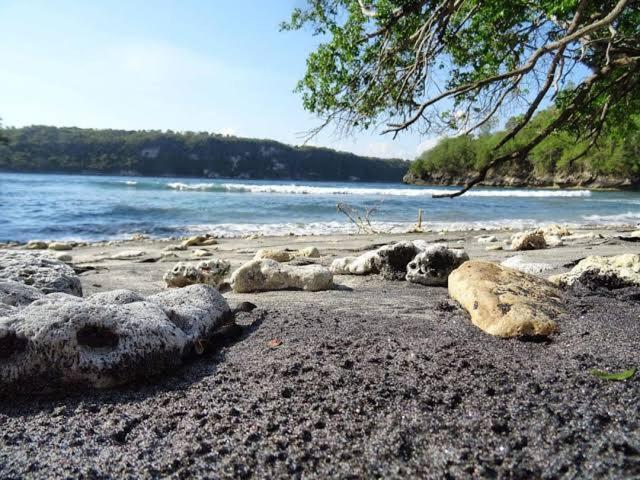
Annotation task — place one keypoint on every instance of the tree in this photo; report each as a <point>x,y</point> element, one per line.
<point>3,139</point>
<point>454,65</point>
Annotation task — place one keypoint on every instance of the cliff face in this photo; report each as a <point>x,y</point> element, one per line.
<point>528,178</point>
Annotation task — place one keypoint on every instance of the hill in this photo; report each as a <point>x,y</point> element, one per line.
<point>556,162</point>
<point>199,154</point>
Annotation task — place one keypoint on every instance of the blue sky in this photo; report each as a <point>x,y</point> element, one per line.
<point>214,65</point>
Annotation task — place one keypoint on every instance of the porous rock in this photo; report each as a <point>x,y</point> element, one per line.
<point>210,272</point>
<point>107,340</point>
<point>283,255</point>
<point>433,265</point>
<point>40,271</point>
<point>264,275</point>
<point>594,272</point>
<point>390,261</point>
<point>364,264</point>
<point>192,309</point>
<point>18,294</point>
<point>119,297</point>
<point>393,259</point>
<point>555,230</point>
<point>529,240</point>
<point>505,302</point>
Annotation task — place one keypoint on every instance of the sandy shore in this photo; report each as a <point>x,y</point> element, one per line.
<point>372,379</point>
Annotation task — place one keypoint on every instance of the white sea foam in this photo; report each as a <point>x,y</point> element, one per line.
<point>368,191</point>
<point>233,230</point>
<point>617,218</point>
<point>130,182</point>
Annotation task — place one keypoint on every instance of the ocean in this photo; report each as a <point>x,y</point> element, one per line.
<point>89,208</point>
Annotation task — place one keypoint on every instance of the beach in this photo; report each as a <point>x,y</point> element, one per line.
<point>374,378</point>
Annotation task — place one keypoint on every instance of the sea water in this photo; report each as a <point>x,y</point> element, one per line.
<point>83,207</point>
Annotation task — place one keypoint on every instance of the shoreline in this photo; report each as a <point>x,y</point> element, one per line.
<point>146,268</point>
<point>134,237</point>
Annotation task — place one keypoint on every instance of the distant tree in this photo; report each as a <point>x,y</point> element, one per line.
<point>394,61</point>
<point>3,139</point>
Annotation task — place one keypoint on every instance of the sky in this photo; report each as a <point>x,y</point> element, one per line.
<point>200,65</point>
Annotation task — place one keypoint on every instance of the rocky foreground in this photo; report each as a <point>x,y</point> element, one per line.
<point>386,356</point>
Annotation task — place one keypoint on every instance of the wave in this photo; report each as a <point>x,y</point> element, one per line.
<point>616,218</point>
<point>366,191</point>
<point>234,230</point>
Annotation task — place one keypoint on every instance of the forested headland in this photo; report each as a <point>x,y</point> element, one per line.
<point>198,154</point>
<point>559,160</point>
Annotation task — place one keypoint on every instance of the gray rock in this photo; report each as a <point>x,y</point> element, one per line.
<point>6,310</point>
<point>40,271</point>
<point>106,340</point>
<point>193,308</point>
<point>433,266</point>
<point>393,259</point>
<point>18,294</point>
<point>390,260</point>
<point>118,297</point>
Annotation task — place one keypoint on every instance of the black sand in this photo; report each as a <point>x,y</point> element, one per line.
<point>389,380</point>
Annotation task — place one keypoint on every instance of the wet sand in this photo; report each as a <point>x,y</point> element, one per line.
<point>372,379</point>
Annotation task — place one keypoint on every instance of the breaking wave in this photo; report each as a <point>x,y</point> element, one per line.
<point>366,191</point>
<point>620,217</point>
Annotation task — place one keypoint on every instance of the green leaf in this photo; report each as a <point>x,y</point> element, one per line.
<point>618,376</point>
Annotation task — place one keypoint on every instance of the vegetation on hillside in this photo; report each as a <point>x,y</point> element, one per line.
<point>616,154</point>
<point>76,150</point>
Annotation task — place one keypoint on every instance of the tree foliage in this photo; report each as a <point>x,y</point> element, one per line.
<point>557,154</point>
<point>3,139</point>
<point>450,66</point>
<point>76,150</point>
